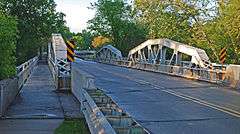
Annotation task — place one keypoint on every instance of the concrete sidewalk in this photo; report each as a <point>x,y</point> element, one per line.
<point>39,109</point>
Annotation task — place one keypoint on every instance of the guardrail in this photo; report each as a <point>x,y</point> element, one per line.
<point>62,80</point>
<point>214,76</point>
<point>96,121</point>
<point>54,71</point>
<point>25,69</point>
<point>9,88</point>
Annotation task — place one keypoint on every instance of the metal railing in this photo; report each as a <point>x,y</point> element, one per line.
<point>9,88</point>
<point>25,69</point>
<point>54,70</point>
<point>61,74</point>
<point>204,74</point>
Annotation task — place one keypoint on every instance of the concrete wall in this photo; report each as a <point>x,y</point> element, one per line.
<point>80,80</point>
<point>8,91</point>
<point>233,76</point>
<point>81,83</point>
<point>64,83</point>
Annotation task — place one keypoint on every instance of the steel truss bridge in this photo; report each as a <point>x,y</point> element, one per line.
<point>162,86</point>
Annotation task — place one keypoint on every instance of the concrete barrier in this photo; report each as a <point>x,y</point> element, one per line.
<point>233,76</point>
<point>8,91</point>
<point>81,80</point>
<point>96,121</point>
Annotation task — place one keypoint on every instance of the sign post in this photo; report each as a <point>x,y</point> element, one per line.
<point>70,51</point>
<point>223,55</point>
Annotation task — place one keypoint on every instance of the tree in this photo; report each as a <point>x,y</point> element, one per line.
<point>84,40</point>
<point>229,26</point>
<point>99,41</point>
<point>206,24</point>
<point>114,20</point>
<point>8,34</point>
<point>172,19</point>
<point>222,31</point>
<point>37,20</point>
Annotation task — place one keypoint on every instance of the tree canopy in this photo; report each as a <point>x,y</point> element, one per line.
<point>114,20</point>
<point>37,20</point>
<point>8,33</point>
<point>207,24</point>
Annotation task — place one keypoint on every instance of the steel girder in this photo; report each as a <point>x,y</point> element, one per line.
<point>57,52</point>
<point>154,51</point>
<point>108,52</point>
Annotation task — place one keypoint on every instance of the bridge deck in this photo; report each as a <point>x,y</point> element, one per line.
<point>38,108</point>
<point>169,105</point>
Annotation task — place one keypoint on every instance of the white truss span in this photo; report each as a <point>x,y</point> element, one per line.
<point>154,51</point>
<point>59,47</point>
<point>58,54</point>
<point>108,52</point>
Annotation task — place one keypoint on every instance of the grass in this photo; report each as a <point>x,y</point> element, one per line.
<point>73,126</point>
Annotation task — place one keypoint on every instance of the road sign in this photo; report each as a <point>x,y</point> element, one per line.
<point>223,55</point>
<point>70,51</point>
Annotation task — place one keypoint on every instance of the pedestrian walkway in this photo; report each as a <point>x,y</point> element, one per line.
<point>39,108</point>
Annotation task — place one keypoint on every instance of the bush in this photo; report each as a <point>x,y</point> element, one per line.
<point>8,34</point>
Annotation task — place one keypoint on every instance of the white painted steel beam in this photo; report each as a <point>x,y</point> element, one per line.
<point>109,52</point>
<point>198,56</point>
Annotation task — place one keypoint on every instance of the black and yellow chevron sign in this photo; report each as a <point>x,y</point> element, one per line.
<point>70,51</point>
<point>223,55</point>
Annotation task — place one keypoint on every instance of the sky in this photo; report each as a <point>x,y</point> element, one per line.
<point>77,13</point>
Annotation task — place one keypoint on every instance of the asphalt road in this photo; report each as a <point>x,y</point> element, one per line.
<point>169,105</point>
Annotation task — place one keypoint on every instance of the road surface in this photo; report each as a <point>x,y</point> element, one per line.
<point>168,105</point>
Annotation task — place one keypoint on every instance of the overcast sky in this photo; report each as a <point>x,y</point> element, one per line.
<point>77,13</point>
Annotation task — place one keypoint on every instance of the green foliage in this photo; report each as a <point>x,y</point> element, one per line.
<point>37,20</point>
<point>72,126</point>
<point>228,25</point>
<point>222,31</point>
<point>207,24</point>
<point>8,34</point>
<point>114,20</point>
<point>84,40</point>
<point>163,20</point>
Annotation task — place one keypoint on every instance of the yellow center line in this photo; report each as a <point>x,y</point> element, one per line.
<point>205,103</point>
<point>187,97</point>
